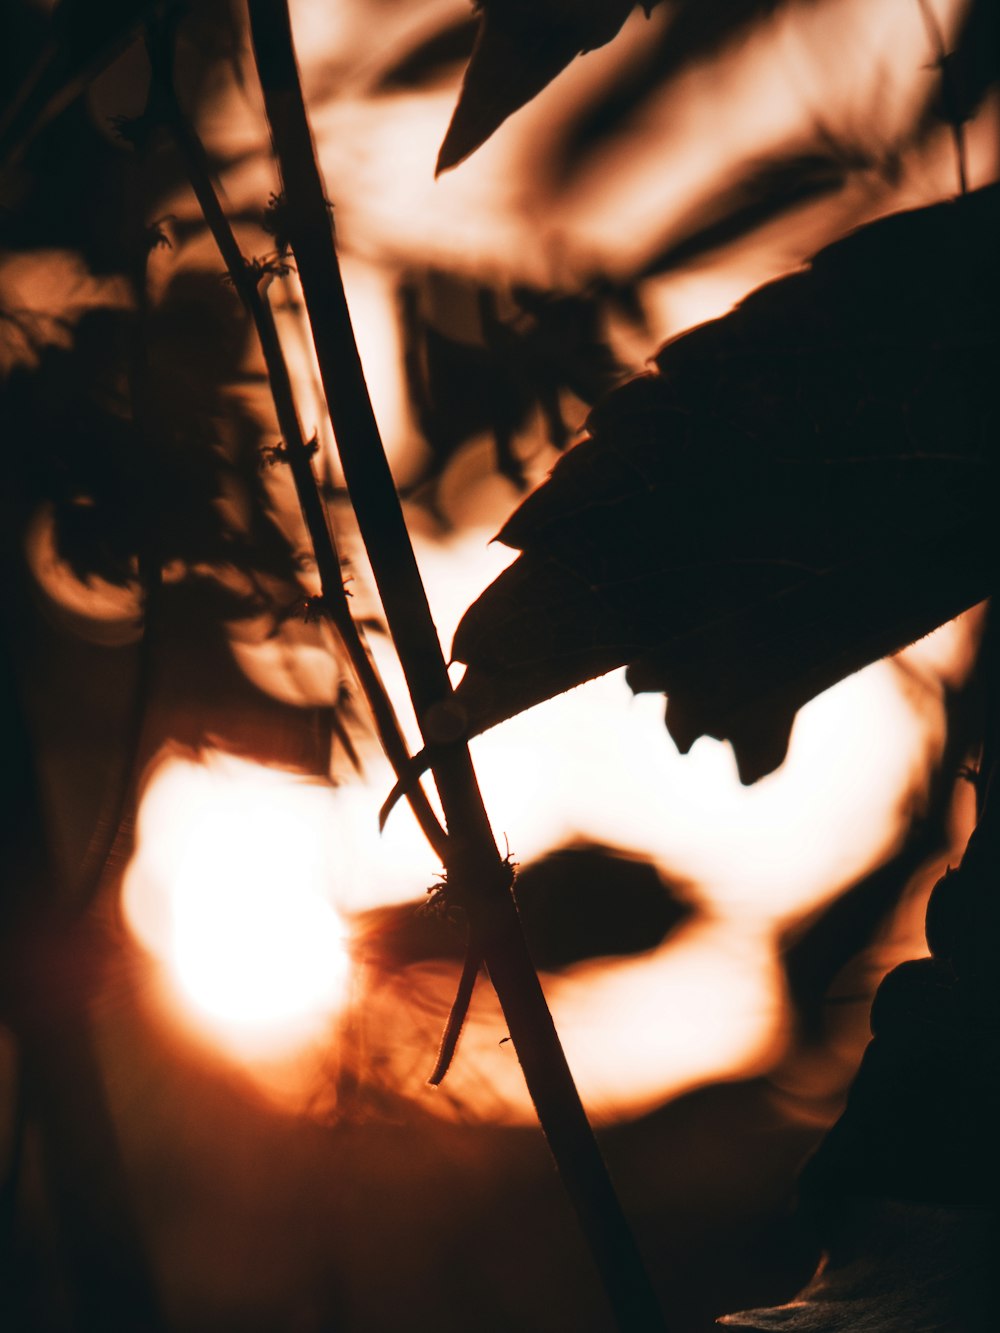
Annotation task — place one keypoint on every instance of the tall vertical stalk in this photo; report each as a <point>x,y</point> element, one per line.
<point>479,879</point>
<point>296,451</point>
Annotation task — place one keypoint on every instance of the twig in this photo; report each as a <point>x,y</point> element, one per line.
<point>456,1019</point>
<point>297,452</point>
<point>478,877</point>
<point>945,65</point>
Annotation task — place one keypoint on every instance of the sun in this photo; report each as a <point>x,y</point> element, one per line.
<point>232,888</point>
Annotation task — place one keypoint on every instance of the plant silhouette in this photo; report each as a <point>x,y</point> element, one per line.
<point>784,495</point>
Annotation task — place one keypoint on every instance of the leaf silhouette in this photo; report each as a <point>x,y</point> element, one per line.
<point>520,48</point>
<point>190,485</point>
<point>798,489</point>
<point>752,199</point>
<point>522,45</point>
<point>77,40</point>
<point>422,62</point>
<point>971,67</point>
<point>82,40</point>
<point>480,359</point>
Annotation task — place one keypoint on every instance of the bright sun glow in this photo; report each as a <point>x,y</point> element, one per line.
<point>231,887</point>
<point>241,875</point>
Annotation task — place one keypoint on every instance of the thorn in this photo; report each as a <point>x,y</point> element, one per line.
<point>134,130</point>
<point>272,454</point>
<point>280,453</point>
<point>275,222</point>
<point>263,268</point>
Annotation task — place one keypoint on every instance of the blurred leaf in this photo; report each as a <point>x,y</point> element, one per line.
<point>522,45</point>
<point>430,58</point>
<point>520,48</point>
<point>79,40</point>
<point>187,482</point>
<point>799,489</point>
<point>43,295</point>
<point>762,190</point>
<point>971,67</point>
<point>747,202</point>
<point>481,360</point>
<point>698,28</point>
<point>82,40</point>
<point>564,898</point>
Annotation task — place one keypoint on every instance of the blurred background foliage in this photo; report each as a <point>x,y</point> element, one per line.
<point>156,571</point>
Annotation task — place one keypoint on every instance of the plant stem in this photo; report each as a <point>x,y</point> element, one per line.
<point>247,285</point>
<point>945,64</point>
<point>478,877</point>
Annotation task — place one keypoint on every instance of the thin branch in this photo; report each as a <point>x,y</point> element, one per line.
<point>456,1019</point>
<point>478,877</point>
<point>297,452</point>
<point>945,66</point>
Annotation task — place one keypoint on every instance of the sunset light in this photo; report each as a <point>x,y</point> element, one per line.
<point>499,665</point>
<point>232,889</point>
<point>244,878</point>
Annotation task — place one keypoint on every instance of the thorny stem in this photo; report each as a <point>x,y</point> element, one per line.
<point>478,877</point>
<point>296,449</point>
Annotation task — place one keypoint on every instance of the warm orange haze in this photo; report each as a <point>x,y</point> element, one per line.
<point>244,881</point>
<point>276,972</point>
<point>594,765</point>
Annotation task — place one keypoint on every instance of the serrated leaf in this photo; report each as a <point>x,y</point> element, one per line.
<point>798,489</point>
